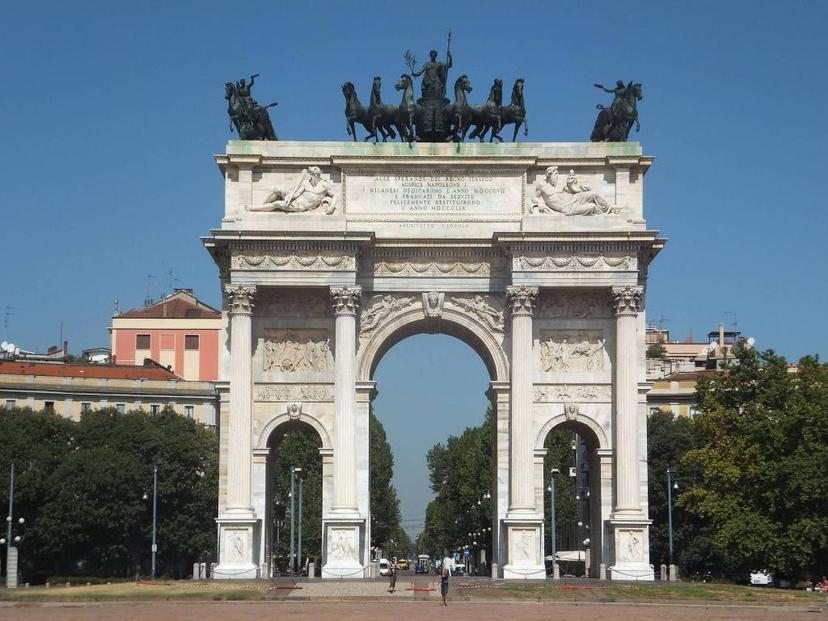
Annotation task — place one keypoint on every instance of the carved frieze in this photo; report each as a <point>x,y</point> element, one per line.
<point>295,392</point>
<point>297,351</point>
<point>565,305</point>
<point>295,304</point>
<point>485,308</point>
<point>295,261</point>
<point>562,393</point>
<point>571,350</point>
<point>569,263</point>
<point>457,268</point>
<point>379,309</point>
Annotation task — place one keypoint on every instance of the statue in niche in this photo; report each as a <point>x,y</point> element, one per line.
<point>296,353</point>
<point>381,309</point>
<point>570,198</point>
<point>311,192</point>
<point>572,350</point>
<point>489,315</point>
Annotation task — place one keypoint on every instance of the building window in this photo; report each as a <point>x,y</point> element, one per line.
<point>692,411</point>
<point>654,409</point>
<point>121,408</point>
<point>189,410</point>
<point>191,341</point>
<point>142,341</point>
<point>85,406</point>
<point>49,405</point>
<point>155,408</point>
<point>10,403</point>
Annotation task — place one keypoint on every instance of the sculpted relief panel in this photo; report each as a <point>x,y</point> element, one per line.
<point>295,392</point>
<point>558,393</point>
<point>380,308</point>
<point>556,304</point>
<point>297,351</point>
<point>295,304</point>
<point>571,350</point>
<point>486,308</point>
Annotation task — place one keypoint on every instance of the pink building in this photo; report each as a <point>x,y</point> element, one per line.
<point>179,332</point>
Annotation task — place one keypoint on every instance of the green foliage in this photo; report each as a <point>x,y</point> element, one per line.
<point>656,350</point>
<point>80,486</point>
<point>762,460</point>
<point>385,505</point>
<point>559,454</point>
<point>461,473</point>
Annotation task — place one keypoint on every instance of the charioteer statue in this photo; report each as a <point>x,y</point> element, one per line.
<point>250,119</point>
<point>433,121</point>
<point>615,122</point>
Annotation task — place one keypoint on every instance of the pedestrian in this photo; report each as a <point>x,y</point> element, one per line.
<point>444,576</point>
<point>392,578</point>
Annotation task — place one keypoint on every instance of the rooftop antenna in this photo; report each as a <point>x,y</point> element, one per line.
<point>7,312</point>
<point>661,321</point>
<point>115,309</point>
<point>148,300</point>
<point>734,324</point>
<point>171,281</point>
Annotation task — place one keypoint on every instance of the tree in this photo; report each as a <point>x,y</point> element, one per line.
<point>762,459</point>
<point>559,454</point>
<point>385,504</point>
<point>656,350</point>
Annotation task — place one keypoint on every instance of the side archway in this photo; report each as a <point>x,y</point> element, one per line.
<point>263,439</point>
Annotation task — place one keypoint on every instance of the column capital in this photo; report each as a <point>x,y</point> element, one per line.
<point>240,298</point>
<point>627,300</point>
<point>522,299</point>
<point>346,300</point>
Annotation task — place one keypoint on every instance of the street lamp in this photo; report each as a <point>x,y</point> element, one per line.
<point>299,538</point>
<point>154,515</point>
<point>293,471</point>
<point>553,523</point>
<point>671,485</point>
<point>8,541</point>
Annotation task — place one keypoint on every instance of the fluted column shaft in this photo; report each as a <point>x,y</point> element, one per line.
<point>346,302</point>
<point>626,304</point>
<point>240,301</point>
<point>522,499</point>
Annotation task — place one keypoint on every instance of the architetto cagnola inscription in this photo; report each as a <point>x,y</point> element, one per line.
<point>535,254</point>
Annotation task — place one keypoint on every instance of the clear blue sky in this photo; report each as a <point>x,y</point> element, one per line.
<point>112,112</point>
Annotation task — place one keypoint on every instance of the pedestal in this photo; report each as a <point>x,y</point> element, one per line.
<point>632,544</point>
<point>343,548</point>
<point>238,541</point>
<point>525,550</point>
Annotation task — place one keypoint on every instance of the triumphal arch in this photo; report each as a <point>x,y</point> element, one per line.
<point>535,254</point>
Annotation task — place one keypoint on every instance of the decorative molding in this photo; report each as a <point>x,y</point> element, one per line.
<point>295,392</point>
<point>563,393</point>
<point>298,261</point>
<point>480,269</point>
<point>294,410</point>
<point>522,299</point>
<point>479,306</point>
<point>627,300</point>
<point>379,309</point>
<point>240,298</point>
<point>591,305</point>
<point>571,411</point>
<point>571,350</point>
<point>578,263</point>
<point>433,304</point>
<point>297,351</point>
<point>346,300</point>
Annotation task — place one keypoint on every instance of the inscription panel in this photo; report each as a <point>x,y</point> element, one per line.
<point>427,195</point>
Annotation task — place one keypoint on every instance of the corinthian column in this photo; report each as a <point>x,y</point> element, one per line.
<point>240,300</point>
<point>626,302</point>
<point>522,498</point>
<point>345,305</point>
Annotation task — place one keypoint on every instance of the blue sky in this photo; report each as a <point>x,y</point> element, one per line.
<point>112,113</point>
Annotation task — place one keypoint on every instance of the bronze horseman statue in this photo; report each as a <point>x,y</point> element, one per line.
<point>615,122</point>
<point>250,120</point>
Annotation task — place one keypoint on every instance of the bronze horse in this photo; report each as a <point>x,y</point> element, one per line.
<point>460,112</point>
<point>515,112</point>
<point>486,116</point>
<point>355,113</point>
<point>383,116</point>
<point>408,110</point>
<point>615,122</point>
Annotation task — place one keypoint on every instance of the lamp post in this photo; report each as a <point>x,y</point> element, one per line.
<point>553,523</point>
<point>293,471</point>
<point>299,538</point>
<point>11,550</point>
<point>671,485</point>
<point>154,515</point>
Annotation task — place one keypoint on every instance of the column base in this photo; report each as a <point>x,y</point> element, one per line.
<point>632,548</point>
<point>238,545</point>
<point>525,548</point>
<point>344,544</point>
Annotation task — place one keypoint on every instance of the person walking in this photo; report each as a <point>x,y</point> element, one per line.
<point>444,577</point>
<point>392,578</point>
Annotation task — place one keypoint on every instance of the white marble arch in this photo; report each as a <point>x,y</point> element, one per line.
<point>598,457</point>
<point>262,475</point>
<point>453,322</point>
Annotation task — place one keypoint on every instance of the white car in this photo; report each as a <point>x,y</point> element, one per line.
<point>761,578</point>
<point>384,566</point>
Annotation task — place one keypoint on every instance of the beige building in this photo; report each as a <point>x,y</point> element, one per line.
<point>71,389</point>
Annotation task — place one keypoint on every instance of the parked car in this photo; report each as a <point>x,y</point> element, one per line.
<point>402,564</point>
<point>384,566</point>
<point>761,578</point>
